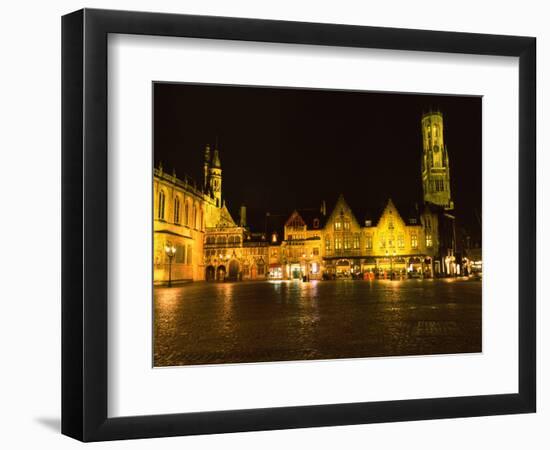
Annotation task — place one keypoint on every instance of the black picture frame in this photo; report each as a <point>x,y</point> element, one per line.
<point>84,224</point>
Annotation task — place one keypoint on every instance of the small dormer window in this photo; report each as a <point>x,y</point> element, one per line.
<point>412,220</point>
<point>368,223</point>
<point>274,237</point>
<point>315,223</point>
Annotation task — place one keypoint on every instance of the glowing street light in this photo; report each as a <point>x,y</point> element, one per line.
<point>170,251</point>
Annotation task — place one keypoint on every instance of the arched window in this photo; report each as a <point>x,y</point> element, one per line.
<point>176,209</point>
<point>231,240</point>
<point>237,240</point>
<point>186,214</point>
<point>161,205</point>
<point>220,240</point>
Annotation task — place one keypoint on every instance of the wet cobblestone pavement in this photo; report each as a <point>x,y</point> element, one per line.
<point>211,323</point>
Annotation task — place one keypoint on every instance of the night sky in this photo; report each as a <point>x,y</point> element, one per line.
<point>287,148</point>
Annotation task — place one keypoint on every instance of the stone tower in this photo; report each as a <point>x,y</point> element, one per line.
<point>215,177</point>
<point>436,179</point>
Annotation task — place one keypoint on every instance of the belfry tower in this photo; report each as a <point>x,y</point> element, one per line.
<point>436,178</point>
<point>215,177</point>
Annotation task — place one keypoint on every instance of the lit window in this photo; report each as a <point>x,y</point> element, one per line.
<point>368,241</point>
<point>314,267</point>
<point>337,243</point>
<point>368,223</point>
<point>327,244</point>
<point>429,242</point>
<point>347,243</point>
<point>274,237</point>
<point>400,241</point>
<point>414,241</point>
<point>161,205</point>
<point>356,241</point>
<point>346,225</point>
<point>382,242</point>
<point>337,226</point>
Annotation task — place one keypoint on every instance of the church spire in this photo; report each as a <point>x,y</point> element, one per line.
<point>215,176</point>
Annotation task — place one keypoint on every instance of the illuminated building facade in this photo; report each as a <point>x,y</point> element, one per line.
<point>307,243</point>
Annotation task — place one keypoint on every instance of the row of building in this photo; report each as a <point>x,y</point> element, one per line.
<point>196,238</point>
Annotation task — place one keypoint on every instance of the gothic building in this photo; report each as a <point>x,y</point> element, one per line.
<point>196,238</point>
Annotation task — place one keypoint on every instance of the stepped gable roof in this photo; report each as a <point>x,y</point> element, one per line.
<point>373,213</point>
<point>260,221</point>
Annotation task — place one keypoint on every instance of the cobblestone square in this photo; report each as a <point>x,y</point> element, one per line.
<point>214,323</point>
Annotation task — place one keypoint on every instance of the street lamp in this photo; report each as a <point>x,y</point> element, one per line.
<point>170,251</point>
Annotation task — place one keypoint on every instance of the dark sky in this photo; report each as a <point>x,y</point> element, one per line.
<point>286,148</point>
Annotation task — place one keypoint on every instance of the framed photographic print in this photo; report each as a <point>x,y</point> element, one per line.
<point>274,224</point>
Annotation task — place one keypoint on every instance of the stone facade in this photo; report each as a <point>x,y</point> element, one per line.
<point>193,221</point>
